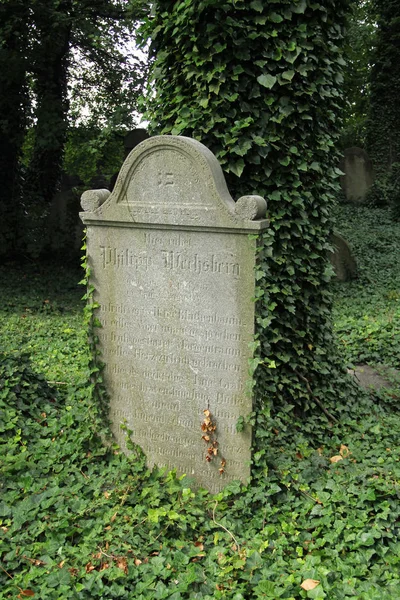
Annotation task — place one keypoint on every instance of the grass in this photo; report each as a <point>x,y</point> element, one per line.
<point>78,520</point>
<point>367,310</point>
<point>41,315</point>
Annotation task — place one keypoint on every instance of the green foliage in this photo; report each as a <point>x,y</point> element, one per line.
<point>258,83</point>
<point>80,520</point>
<point>367,310</point>
<point>359,44</point>
<point>383,129</point>
<point>385,191</point>
<point>41,315</point>
<point>56,50</point>
<point>90,151</point>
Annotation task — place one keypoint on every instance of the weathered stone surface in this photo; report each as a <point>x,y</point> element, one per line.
<point>173,268</point>
<point>342,259</point>
<point>358,174</point>
<point>92,199</point>
<point>370,378</point>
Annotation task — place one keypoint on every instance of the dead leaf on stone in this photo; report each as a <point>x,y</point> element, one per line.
<point>335,459</point>
<point>309,584</point>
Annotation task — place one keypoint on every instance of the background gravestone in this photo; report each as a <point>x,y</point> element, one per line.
<point>133,138</point>
<point>173,268</point>
<point>342,258</point>
<point>358,174</point>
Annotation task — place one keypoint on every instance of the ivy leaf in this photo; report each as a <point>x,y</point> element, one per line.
<point>203,102</point>
<point>237,167</point>
<point>288,75</point>
<point>300,7</point>
<point>257,5</point>
<point>275,18</point>
<point>267,81</point>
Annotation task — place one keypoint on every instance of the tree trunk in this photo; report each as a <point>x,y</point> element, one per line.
<point>13,109</point>
<point>50,88</point>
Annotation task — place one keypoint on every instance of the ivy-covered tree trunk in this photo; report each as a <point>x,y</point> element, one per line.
<point>383,125</point>
<point>258,83</point>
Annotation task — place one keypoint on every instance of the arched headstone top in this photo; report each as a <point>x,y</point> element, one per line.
<point>175,180</point>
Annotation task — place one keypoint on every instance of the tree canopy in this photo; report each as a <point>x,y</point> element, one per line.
<point>44,44</point>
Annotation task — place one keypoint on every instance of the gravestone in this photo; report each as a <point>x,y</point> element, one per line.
<point>133,138</point>
<point>342,258</point>
<point>358,174</point>
<point>172,260</point>
<point>64,228</point>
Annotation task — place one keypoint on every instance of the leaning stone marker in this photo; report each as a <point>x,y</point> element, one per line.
<point>172,260</point>
<point>358,174</point>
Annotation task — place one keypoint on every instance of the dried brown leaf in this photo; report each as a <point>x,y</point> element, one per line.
<point>335,459</point>
<point>344,451</point>
<point>309,584</point>
<point>199,545</point>
<point>122,564</point>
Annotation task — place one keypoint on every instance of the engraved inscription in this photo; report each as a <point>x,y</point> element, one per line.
<point>124,258</point>
<point>165,178</point>
<point>171,349</point>
<point>209,264</point>
<point>168,259</point>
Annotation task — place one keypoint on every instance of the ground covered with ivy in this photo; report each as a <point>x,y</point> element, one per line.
<point>80,520</point>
